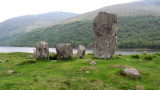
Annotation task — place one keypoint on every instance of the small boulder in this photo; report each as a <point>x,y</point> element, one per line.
<point>93,63</point>
<point>20,74</point>
<point>81,51</point>
<point>9,72</point>
<point>131,72</point>
<point>64,51</point>
<point>31,56</point>
<point>54,60</point>
<point>140,88</point>
<point>1,61</point>
<point>87,71</point>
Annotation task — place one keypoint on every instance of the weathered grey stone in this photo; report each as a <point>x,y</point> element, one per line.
<point>9,72</point>
<point>131,72</point>
<point>81,51</point>
<point>30,56</point>
<point>64,51</point>
<point>93,63</point>
<point>104,28</point>
<point>140,88</point>
<point>42,50</point>
<point>34,52</point>
<point>1,61</point>
<point>20,74</point>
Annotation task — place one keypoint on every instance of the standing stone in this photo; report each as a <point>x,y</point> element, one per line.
<point>81,51</point>
<point>64,51</point>
<point>104,28</point>
<point>34,52</point>
<point>42,50</point>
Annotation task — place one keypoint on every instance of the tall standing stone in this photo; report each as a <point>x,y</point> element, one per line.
<point>81,51</point>
<point>64,51</point>
<point>104,28</point>
<point>42,50</point>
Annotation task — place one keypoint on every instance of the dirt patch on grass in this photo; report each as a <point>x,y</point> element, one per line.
<point>87,68</point>
<point>119,66</point>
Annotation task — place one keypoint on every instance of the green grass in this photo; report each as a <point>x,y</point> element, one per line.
<point>77,74</point>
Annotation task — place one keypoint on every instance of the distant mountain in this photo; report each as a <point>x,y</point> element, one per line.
<point>155,2</point>
<point>19,25</point>
<point>137,8</point>
<point>29,22</point>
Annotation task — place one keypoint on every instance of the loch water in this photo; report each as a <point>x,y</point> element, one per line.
<point>4,49</point>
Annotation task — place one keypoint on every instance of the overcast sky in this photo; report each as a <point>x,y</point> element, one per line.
<point>13,8</point>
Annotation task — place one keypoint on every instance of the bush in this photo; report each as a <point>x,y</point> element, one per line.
<point>137,56</point>
<point>144,53</point>
<point>119,54</point>
<point>53,56</point>
<point>148,57</point>
<point>157,54</point>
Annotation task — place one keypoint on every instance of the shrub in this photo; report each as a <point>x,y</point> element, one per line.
<point>53,56</point>
<point>119,54</point>
<point>157,54</point>
<point>137,56</point>
<point>148,57</point>
<point>144,53</point>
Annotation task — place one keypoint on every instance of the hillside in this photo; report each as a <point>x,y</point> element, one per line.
<point>138,27</point>
<point>137,8</point>
<point>19,25</point>
<point>75,33</point>
<point>133,32</point>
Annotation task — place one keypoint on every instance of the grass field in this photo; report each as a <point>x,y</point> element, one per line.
<point>78,74</point>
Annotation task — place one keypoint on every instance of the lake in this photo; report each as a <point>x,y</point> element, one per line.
<point>4,49</point>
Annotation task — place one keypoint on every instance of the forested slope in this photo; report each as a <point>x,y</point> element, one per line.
<point>133,32</point>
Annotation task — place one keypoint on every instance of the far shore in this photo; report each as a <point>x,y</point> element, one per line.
<point>92,49</point>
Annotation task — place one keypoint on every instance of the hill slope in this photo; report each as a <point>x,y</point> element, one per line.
<point>142,7</point>
<point>134,32</point>
<point>137,23</point>
<point>18,25</point>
